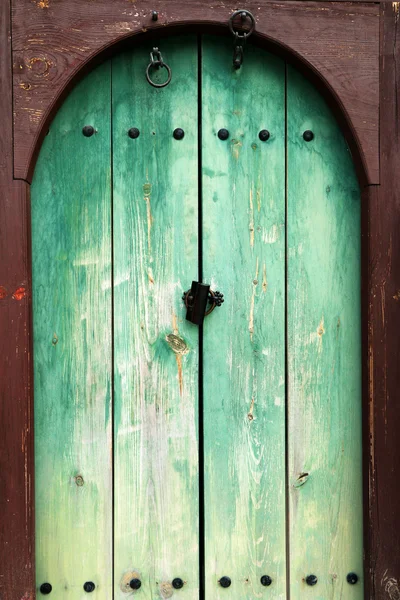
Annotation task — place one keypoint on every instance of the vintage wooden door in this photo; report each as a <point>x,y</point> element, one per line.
<point>223,460</point>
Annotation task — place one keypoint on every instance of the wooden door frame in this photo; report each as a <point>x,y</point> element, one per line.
<point>350,50</point>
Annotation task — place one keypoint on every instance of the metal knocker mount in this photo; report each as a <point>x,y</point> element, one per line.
<point>240,16</point>
<point>156,62</point>
<point>200,301</point>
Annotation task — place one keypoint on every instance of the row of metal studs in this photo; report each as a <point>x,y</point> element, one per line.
<point>178,583</point>
<point>179,134</point>
<point>46,588</point>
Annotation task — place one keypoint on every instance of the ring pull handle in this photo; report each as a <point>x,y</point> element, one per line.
<point>240,35</point>
<point>156,62</point>
<point>200,301</point>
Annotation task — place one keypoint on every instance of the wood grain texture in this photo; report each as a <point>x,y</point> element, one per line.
<point>156,350</point>
<point>16,427</point>
<point>244,370</point>
<point>71,250</point>
<point>383,328</point>
<point>337,41</point>
<point>324,352</point>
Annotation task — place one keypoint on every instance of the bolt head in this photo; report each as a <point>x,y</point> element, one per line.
<point>352,578</point>
<point>264,135</point>
<point>88,130</point>
<point>177,583</point>
<point>311,579</point>
<point>266,580</point>
<point>223,134</point>
<point>45,588</point>
<point>308,135</point>
<point>133,133</point>
<point>89,586</point>
<point>225,581</point>
<point>135,583</point>
<point>154,15</point>
<point>179,134</point>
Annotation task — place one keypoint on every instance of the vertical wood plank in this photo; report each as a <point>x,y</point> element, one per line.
<point>244,370</point>
<point>324,352</point>
<point>384,326</point>
<point>156,354</point>
<point>71,248</point>
<point>16,394</point>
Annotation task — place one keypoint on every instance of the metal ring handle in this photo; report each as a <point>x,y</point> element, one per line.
<point>213,305</point>
<point>151,82</point>
<point>209,311</point>
<point>252,26</point>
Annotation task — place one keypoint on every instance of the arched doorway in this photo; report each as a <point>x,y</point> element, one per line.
<point>168,453</point>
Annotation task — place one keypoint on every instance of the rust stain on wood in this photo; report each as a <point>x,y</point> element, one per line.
<point>250,415</point>
<point>19,293</point>
<point>253,295</point>
<point>251,222</point>
<point>147,199</point>
<point>264,281</point>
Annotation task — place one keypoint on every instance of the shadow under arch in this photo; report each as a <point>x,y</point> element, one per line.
<point>139,37</point>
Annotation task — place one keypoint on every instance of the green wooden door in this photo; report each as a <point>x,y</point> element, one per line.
<point>168,453</point>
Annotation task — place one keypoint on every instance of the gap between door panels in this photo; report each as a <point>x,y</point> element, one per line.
<point>112,333</point>
<point>286,363</point>
<point>200,274</point>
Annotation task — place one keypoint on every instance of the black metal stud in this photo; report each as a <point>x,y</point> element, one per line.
<point>352,578</point>
<point>133,133</point>
<point>264,135</point>
<point>308,135</point>
<point>135,583</point>
<point>89,586</point>
<point>88,130</point>
<point>311,579</point>
<point>223,134</point>
<point>154,15</point>
<point>45,588</point>
<point>225,581</point>
<point>266,580</point>
<point>177,583</point>
<point>179,134</point>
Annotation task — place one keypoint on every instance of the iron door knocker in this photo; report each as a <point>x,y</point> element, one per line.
<point>240,36</point>
<point>156,61</point>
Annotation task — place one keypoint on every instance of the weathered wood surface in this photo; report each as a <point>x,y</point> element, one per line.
<point>324,351</point>
<point>383,329</point>
<point>156,350</point>
<point>244,341</point>
<point>71,246</point>
<point>52,41</point>
<point>16,406</point>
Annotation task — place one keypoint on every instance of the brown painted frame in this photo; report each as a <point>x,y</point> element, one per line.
<point>350,50</point>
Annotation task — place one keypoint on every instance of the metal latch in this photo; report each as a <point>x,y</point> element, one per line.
<point>200,301</point>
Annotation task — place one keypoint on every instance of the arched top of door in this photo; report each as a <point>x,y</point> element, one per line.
<point>60,43</point>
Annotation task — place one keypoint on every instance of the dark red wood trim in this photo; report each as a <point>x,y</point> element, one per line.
<point>16,401</point>
<point>337,42</point>
<point>46,30</point>
<point>384,326</point>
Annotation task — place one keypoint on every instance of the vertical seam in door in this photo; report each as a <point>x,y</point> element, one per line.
<point>200,274</point>
<point>112,330</point>
<point>287,521</point>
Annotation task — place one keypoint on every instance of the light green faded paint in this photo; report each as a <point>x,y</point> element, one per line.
<point>71,248</point>
<point>153,202</point>
<point>156,350</point>
<point>324,343</point>
<point>244,345</point>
